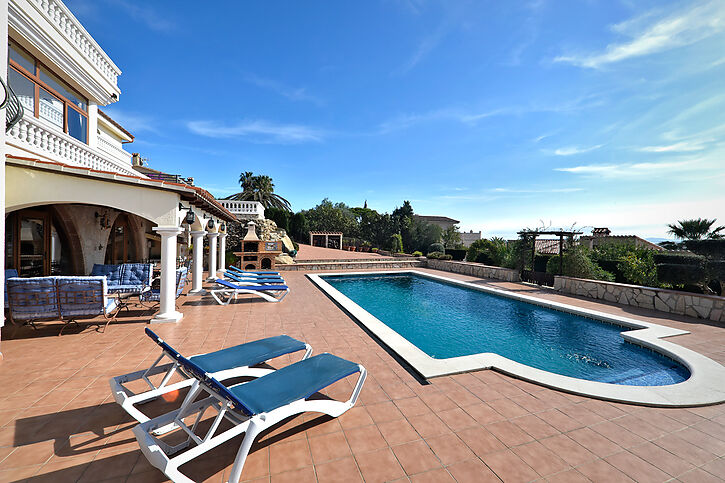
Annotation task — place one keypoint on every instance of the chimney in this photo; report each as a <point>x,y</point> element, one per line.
<point>601,232</point>
<point>136,159</point>
<point>251,232</point>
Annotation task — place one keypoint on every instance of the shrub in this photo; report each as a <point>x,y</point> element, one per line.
<point>435,255</point>
<point>456,254</point>
<point>436,247</point>
<point>445,256</point>
<point>299,228</point>
<point>396,243</point>
<point>679,274</point>
<point>417,253</point>
<point>489,252</point>
<point>578,264</point>
<point>679,258</point>
<point>708,248</point>
<point>639,270</point>
<point>540,262</point>
<point>279,216</point>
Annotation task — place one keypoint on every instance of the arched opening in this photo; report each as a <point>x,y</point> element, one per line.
<point>266,263</point>
<point>37,243</point>
<point>122,246</point>
<point>250,266</point>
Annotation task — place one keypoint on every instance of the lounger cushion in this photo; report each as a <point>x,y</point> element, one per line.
<point>248,354</point>
<point>258,288</point>
<point>81,296</point>
<point>136,274</point>
<point>296,381</point>
<point>126,288</point>
<point>111,272</point>
<point>33,298</point>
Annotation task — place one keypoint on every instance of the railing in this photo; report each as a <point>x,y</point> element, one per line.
<point>108,146</point>
<point>174,178</point>
<point>38,137</point>
<point>14,108</point>
<point>59,15</point>
<point>245,209</point>
<point>539,278</point>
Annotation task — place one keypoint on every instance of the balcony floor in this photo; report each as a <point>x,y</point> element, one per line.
<point>58,421</point>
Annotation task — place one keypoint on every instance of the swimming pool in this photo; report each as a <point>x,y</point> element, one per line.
<point>444,326</point>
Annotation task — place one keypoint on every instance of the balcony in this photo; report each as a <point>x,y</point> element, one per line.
<point>249,210</point>
<point>111,147</point>
<point>39,137</point>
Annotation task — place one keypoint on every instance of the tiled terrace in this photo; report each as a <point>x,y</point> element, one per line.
<point>58,421</point>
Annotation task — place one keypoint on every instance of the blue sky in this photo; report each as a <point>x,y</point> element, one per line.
<point>499,114</point>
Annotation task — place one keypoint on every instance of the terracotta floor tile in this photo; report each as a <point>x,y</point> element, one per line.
<point>699,476</point>
<point>449,448</point>
<point>457,419</point>
<point>472,471</point>
<point>385,411</point>
<point>416,457</point>
<point>329,447</point>
<point>600,470</point>
<point>568,449</point>
<point>662,459</point>
<point>703,440</point>
<point>340,470</point>
<point>398,432</point>
<point>434,476</point>
<point>290,455</point>
<point>534,426</point>
<point>429,425</point>
<point>302,475</point>
<point>636,468</point>
<point>594,442</point>
<point>379,466</point>
<point>365,439</point>
<point>412,406</point>
<point>685,450</point>
<point>357,416</point>
<point>481,441</point>
<point>569,476</point>
<point>541,459</point>
<point>508,433</point>
<point>559,420</point>
<point>509,467</point>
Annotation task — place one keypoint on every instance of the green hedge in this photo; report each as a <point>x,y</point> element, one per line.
<point>677,258</point>
<point>436,247</point>
<point>716,269</point>
<point>707,248</point>
<point>540,262</point>
<point>456,254</point>
<point>680,274</point>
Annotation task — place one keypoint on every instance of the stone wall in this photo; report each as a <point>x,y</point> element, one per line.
<point>475,270</point>
<point>671,301</point>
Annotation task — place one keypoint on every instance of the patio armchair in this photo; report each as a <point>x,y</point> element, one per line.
<point>133,278</point>
<point>67,299</point>
<point>154,294</point>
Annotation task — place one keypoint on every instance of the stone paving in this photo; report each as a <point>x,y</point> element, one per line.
<point>58,421</point>
<point>308,252</point>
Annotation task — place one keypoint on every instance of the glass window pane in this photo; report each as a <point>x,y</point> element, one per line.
<point>24,88</point>
<point>25,61</point>
<point>51,108</point>
<point>77,124</point>
<point>61,88</point>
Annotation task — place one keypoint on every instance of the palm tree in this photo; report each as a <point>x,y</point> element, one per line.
<point>259,188</point>
<point>696,229</point>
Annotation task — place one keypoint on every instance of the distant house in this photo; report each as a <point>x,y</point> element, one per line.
<point>443,221</point>
<point>469,237</point>
<point>603,236</point>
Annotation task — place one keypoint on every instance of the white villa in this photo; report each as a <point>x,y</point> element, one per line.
<point>73,195</point>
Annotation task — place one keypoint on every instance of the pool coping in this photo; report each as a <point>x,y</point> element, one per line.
<point>705,386</point>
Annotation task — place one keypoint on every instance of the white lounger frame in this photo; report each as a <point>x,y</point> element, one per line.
<point>232,293</point>
<point>128,400</point>
<point>169,458</point>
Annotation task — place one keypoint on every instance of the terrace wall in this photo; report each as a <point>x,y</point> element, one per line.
<point>670,301</point>
<point>475,270</point>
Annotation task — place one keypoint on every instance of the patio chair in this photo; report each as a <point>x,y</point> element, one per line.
<point>250,407</point>
<point>128,278</point>
<point>223,364</point>
<point>154,294</point>
<point>245,280</point>
<point>67,299</point>
<point>9,273</point>
<point>232,290</point>
<point>250,273</point>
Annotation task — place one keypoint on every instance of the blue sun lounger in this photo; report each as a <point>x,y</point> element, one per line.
<point>230,291</point>
<point>223,364</point>
<point>249,272</point>
<point>250,407</point>
<point>254,280</point>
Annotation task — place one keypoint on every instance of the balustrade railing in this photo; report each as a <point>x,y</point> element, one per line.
<point>248,209</point>
<point>32,134</point>
<point>111,148</point>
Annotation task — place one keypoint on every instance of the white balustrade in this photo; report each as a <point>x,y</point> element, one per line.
<point>109,146</point>
<point>59,15</point>
<point>37,136</point>
<point>247,209</point>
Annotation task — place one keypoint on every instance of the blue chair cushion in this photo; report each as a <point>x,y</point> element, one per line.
<point>248,354</point>
<point>136,274</point>
<point>33,298</point>
<point>81,296</point>
<point>9,273</point>
<point>258,288</point>
<point>125,288</point>
<point>291,383</point>
<point>111,272</point>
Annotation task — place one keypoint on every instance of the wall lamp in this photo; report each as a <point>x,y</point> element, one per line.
<point>103,219</point>
<point>223,227</point>
<point>190,215</point>
<point>210,225</point>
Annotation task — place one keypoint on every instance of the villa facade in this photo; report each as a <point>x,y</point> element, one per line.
<point>74,196</point>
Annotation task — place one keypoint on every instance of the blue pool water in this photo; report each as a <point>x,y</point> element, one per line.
<point>446,320</point>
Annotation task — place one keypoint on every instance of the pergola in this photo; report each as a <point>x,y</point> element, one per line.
<point>335,235</point>
<point>532,234</point>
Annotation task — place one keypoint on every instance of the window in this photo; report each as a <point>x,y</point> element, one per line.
<point>46,95</point>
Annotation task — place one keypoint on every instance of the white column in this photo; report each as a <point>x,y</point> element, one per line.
<point>222,251</point>
<point>197,262</point>
<point>167,306</point>
<point>3,147</point>
<point>212,256</point>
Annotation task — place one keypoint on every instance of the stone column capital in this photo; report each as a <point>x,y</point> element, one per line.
<point>198,234</point>
<point>168,230</point>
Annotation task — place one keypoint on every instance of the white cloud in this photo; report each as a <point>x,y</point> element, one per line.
<point>134,122</point>
<point>629,170</point>
<point>545,190</point>
<point>292,93</point>
<point>258,131</point>
<point>572,150</point>
<point>679,29</point>
<point>146,14</point>
<point>682,147</point>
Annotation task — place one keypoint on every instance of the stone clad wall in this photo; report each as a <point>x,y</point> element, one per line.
<point>671,301</point>
<point>475,270</point>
